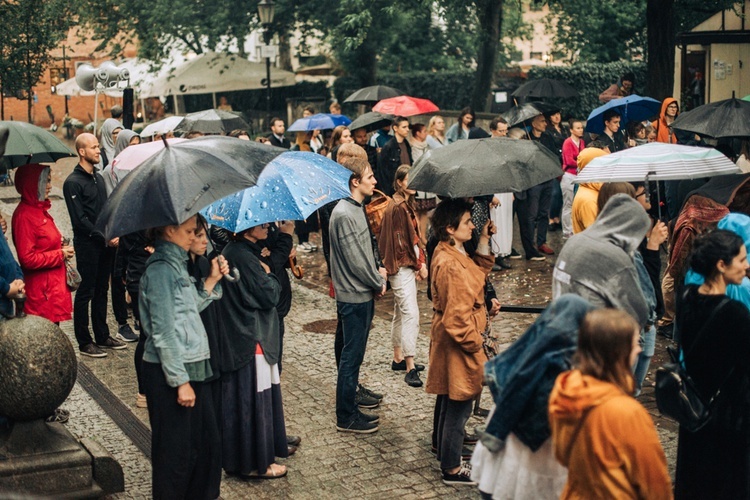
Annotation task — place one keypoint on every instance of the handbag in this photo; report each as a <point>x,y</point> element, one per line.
<point>676,394</point>
<point>72,276</point>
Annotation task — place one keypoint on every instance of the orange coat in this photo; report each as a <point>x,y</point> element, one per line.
<point>617,453</point>
<point>458,321</point>
<point>663,132</point>
<point>585,209</point>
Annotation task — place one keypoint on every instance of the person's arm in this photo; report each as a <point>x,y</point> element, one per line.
<point>351,239</point>
<point>258,289</point>
<point>458,308</point>
<point>78,218</point>
<point>280,250</point>
<point>569,154</point>
<point>451,135</point>
<point>612,92</point>
<point>29,255</point>
<point>646,462</point>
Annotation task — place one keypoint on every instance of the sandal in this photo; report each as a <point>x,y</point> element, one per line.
<point>274,471</point>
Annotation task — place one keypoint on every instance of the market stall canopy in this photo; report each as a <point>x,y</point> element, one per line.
<point>213,72</point>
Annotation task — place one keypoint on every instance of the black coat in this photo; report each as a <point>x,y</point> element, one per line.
<point>284,143</point>
<point>280,245</point>
<point>388,162</point>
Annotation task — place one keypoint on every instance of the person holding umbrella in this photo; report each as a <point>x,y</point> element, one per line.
<point>612,137</point>
<point>624,87</point>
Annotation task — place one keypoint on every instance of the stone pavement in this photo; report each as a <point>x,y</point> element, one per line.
<point>395,462</point>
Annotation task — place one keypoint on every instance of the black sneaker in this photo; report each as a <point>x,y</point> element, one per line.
<point>666,331</point>
<point>369,417</point>
<point>361,388</point>
<point>470,439</point>
<point>364,401</point>
<point>412,378</point>
<point>92,351</point>
<point>401,366</point>
<point>293,440</point>
<point>500,262</point>
<point>463,476</point>
<point>514,254</point>
<point>357,426</point>
<point>126,334</point>
<point>112,343</point>
<point>537,257</point>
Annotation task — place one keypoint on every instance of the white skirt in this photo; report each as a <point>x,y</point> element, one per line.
<point>502,217</point>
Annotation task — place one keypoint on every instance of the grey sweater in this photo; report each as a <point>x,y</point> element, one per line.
<point>353,269</point>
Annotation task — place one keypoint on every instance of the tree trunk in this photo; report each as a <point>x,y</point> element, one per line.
<point>285,52</point>
<point>660,28</point>
<point>490,19</point>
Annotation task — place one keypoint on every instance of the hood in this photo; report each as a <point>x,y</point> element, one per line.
<point>662,128</point>
<point>573,394</point>
<point>739,224</point>
<point>623,222</point>
<point>28,186</point>
<point>123,141</point>
<point>666,102</point>
<point>584,158</point>
<point>105,141</point>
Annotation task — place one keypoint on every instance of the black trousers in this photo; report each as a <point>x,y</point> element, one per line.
<point>453,418</point>
<point>94,265</point>
<point>185,442</point>
<point>119,305</point>
<point>140,346</point>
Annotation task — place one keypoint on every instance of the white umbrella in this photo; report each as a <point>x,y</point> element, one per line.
<point>163,126</point>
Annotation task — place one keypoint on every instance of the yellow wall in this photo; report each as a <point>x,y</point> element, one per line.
<point>739,79</point>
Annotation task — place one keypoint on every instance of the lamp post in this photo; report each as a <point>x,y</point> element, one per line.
<point>265,13</point>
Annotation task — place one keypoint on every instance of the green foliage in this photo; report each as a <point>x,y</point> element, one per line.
<point>590,79</point>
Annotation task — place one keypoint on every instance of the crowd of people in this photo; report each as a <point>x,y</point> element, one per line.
<point>565,423</point>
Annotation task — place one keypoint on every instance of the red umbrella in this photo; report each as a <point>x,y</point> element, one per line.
<point>404,105</point>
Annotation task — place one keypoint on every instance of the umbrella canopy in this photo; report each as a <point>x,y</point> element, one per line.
<point>373,94</point>
<point>727,118</point>
<point>658,161</point>
<point>291,187</point>
<point>484,166</point>
<point>28,143</point>
<point>163,126</point>
<point>211,121</point>
<point>371,121</point>
<point>405,106</point>
<point>174,184</point>
<point>320,121</point>
<point>545,87</point>
<point>632,108</point>
<point>133,156</point>
<point>525,112</point>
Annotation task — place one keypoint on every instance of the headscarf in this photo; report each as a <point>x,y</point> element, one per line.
<point>106,142</point>
<point>123,141</point>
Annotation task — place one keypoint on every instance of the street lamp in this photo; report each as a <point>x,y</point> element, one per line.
<point>265,13</point>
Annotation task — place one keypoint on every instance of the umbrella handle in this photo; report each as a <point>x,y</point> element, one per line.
<point>233,276</point>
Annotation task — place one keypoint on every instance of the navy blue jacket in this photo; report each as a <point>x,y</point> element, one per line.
<point>9,271</point>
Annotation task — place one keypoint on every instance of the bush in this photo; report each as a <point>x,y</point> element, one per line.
<point>590,79</point>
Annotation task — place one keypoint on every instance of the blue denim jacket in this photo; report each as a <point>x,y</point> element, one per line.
<point>9,271</point>
<point>521,378</point>
<point>647,287</point>
<point>170,305</point>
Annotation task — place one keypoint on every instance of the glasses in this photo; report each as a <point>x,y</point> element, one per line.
<point>639,195</point>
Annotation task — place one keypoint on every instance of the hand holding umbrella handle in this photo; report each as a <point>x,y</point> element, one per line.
<point>233,276</point>
<point>297,271</point>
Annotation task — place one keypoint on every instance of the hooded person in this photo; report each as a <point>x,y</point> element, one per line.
<point>664,131</point>
<point>107,142</point>
<point>584,209</point>
<point>112,178</point>
<point>598,263</point>
<point>39,246</point>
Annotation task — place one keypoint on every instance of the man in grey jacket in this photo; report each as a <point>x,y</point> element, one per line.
<point>357,281</point>
<point>597,264</point>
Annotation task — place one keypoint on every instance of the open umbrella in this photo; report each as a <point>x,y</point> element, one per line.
<point>320,121</point>
<point>133,156</point>
<point>632,108</point>
<point>545,87</point>
<point>28,143</point>
<point>174,184</point>
<point>371,121</point>
<point>211,121</point>
<point>484,166</point>
<point>373,94</point>
<point>405,106</point>
<point>727,118</point>
<point>525,112</point>
<point>292,187</point>
<point>163,126</point>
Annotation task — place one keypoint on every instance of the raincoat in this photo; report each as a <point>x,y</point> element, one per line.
<point>664,132</point>
<point>106,142</point>
<point>584,204</point>
<point>39,247</point>
<point>607,441</point>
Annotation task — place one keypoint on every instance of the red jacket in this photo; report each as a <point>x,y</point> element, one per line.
<point>39,247</point>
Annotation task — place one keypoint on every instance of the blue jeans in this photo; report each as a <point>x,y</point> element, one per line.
<point>355,320</point>
<point>648,344</point>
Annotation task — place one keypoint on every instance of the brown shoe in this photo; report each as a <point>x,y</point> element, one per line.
<point>545,249</point>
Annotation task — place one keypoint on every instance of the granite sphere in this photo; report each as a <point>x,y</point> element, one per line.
<point>38,368</point>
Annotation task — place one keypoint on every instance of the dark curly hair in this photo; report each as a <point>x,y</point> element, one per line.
<point>710,248</point>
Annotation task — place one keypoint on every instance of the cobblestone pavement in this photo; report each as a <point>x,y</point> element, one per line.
<point>395,462</point>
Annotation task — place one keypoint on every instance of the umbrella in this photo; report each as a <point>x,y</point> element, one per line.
<point>484,166</point>
<point>163,126</point>
<point>405,106</point>
<point>291,187</point>
<point>525,112</point>
<point>371,121</point>
<point>133,156</point>
<point>211,121</point>
<point>4,132</point>
<point>31,144</point>
<point>320,121</point>
<point>727,118</point>
<point>545,87</point>
<point>373,94</point>
<point>632,108</point>
<point>174,184</point>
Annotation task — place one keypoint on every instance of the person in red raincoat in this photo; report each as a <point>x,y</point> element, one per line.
<point>39,246</point>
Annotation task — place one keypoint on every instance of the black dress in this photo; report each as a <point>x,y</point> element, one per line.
<point>715,461</point>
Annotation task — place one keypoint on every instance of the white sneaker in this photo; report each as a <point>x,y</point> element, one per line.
<point>304,249</point>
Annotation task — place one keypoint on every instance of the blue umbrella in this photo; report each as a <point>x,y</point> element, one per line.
<point>291,187</point>
<point>321,121</point>
<point>631,108</point>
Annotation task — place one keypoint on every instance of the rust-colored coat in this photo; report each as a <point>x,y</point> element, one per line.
<point>459,318</point>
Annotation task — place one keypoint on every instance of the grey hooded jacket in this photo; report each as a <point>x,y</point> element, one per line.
<point>597,264</point>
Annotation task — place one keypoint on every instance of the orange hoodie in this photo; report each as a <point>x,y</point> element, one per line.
<point>617,453</point>
<point>663,132</point>
<point>584,210</point>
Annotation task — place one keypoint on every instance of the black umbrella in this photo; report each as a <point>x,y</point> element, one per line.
<point>727,118</point>
<point>27,143</point>
<point>371,121</point>
<point>4,133</point>
<point>174,184</point>
<point>525,112</point>
<point>545,87</point>
<point>373,94</point>
<point>484,166</point>
<point>211,121</point>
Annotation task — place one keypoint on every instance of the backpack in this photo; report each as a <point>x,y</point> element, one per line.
<point>375,210</point>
